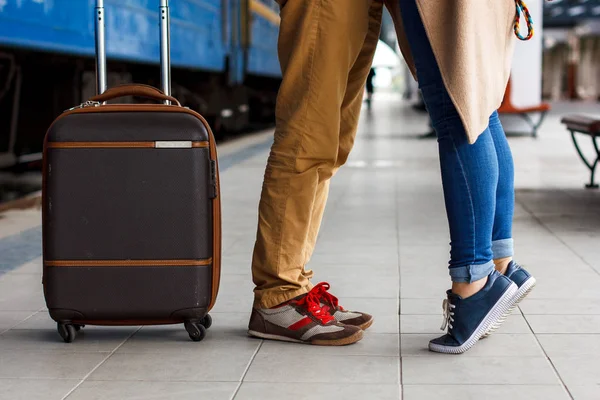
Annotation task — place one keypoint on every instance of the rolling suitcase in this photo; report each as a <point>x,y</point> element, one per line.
<point>131,208</point>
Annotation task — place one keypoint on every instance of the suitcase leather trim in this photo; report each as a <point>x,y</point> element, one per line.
<point>213,155</point>
<point>128,263</point>
<point>113,145</point>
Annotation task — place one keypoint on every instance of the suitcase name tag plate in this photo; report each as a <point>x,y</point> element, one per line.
<point>173,144</point>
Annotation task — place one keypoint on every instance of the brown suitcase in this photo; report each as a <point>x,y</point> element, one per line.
<point>131,210</point>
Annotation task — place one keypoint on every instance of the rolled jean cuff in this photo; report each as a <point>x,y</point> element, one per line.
<point>471,273</point>
<point>503,248</point>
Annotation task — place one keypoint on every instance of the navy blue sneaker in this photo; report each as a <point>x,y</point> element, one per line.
<point>523,279</point>
<point>469,319</point>
<point>525,283</point>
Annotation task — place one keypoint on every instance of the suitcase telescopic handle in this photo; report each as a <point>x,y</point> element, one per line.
<point>165,48</point>
<point>100,47</point>
<point>134,90</point>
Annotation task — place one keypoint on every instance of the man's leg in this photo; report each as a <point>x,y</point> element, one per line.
<point>315,224</point>
<point>319,42</point>
<point>350,112</point>
<point>356,85</point>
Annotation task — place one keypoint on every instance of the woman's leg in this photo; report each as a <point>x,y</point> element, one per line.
<point>481,297</point>
<point>502,242</point>
<point>469,172</point>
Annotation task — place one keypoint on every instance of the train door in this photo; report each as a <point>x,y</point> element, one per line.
<point>239,20</point>
<point>233,116</point>
<point>10,85</point>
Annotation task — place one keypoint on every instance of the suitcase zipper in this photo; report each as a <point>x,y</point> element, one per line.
<point>88,103</point>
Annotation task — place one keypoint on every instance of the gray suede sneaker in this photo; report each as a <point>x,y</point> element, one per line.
<point>302,320</point>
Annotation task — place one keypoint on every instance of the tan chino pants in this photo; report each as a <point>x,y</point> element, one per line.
<point>326,48</point>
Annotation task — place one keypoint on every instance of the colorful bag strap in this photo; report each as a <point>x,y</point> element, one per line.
<point>520,6</point>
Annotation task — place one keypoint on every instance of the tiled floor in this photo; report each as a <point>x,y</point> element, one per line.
<point>383,247</point>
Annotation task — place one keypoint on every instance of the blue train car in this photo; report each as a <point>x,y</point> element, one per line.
<point>264,29</point>
<point>223,52</point>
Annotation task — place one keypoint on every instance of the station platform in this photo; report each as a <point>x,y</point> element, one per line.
<point>384,249</point>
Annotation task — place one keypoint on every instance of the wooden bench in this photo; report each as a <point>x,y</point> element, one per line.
<point>589,126</point>
<point>508,108</point>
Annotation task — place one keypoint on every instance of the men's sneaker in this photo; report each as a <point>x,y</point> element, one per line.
<point>346,317</point>
<point>469,319</point>
<point>302,320</point>
<point>525,283</point>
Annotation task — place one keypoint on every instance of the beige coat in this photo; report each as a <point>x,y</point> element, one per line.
<point>473,43</point>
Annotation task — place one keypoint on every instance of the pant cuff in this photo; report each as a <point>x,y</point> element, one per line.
<point>471,273</point>
<point>270,299</point>
<point>503,248</point>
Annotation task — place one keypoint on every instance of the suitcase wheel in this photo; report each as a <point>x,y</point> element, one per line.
<point>196,330</point>
<point>206,321</point>
<point>67,331</point>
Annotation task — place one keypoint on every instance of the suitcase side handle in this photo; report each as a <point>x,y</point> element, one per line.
<point>134,90</point>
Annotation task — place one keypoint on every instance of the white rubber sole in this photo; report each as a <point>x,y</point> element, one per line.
<point>497,311</point>
<point>521,293</point>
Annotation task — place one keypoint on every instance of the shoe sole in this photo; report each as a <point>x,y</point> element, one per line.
<point>319,342</point>
<point>522,292</point>
<point>366,325</point>
<point>504,303</point>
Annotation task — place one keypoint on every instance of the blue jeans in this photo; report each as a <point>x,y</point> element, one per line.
<point>478,179</point>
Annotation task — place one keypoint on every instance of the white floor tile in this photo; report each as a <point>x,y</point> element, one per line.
<point>33,389</point>
<point>487,392</point>
<point>309,368</point>
<point>317,391</point>
<point>119,390</point>
<point>443,369</point>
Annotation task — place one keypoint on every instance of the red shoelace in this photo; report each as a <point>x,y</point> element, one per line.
<point>312,302</point>
<point>327,298</point>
